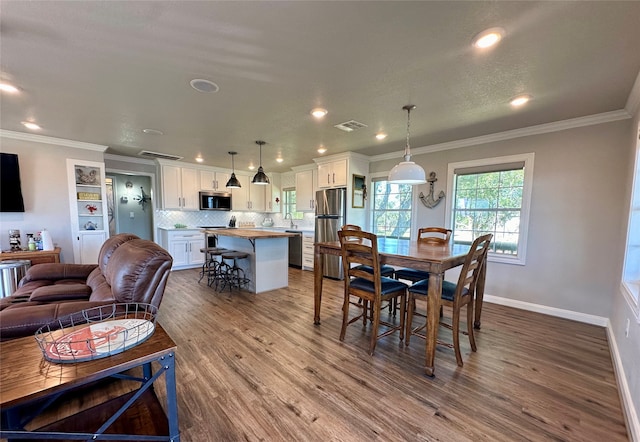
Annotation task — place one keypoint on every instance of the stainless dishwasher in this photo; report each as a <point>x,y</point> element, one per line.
<point>295,249</point>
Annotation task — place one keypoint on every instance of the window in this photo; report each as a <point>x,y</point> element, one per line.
<point>392,209</point>
<point>289,203</point>
<point>631,272</point>
<point>492,196</point>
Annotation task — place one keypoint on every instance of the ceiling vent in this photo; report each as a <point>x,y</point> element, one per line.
<point>163,156</point>
<point>350,126</point>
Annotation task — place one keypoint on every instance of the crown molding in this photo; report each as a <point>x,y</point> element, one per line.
<point>340,156</point>
<point>633,102</point>
<point>556,126</point>
<point>51,140</point>
<point>126,159</point>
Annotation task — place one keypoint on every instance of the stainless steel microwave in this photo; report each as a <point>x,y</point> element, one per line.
<point>215,201</point>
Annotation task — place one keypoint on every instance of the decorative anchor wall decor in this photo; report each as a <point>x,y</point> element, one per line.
<point>429,200</point>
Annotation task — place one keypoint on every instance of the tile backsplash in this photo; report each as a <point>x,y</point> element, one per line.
<point>167,218</point>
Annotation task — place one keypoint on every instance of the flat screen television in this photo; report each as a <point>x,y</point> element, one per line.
<point>10,188</point>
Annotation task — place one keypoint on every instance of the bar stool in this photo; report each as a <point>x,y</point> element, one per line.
<point>232,275</point>
<point>211,266</point>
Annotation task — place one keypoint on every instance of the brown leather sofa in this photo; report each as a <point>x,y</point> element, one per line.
<point>129,269</point>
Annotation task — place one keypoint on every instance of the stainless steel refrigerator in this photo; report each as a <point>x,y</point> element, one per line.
<point>331,208</point>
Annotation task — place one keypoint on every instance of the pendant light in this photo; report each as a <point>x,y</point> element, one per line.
<point>233,182</point>
<point>407,172</point>
<point>260,177</point>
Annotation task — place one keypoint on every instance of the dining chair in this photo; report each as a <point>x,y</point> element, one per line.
<point>361,248</point>
<point>426,235</point>
<point>453,295</point>
<point>385,270</point>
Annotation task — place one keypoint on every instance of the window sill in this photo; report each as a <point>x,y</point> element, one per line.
<point>506,259</point>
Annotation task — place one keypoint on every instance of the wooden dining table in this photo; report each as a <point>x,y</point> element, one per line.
<point>435,259</point>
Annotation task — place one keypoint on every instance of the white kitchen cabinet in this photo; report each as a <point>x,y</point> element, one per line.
<point>184,247</point>
<point>88,209</point>
<point>249,197</point>
<point>214,181</point>
<point>272,194</point>
<point>307,250</point>
<point>179,187</point>
<point>332,174</point>
<point>306,190</point>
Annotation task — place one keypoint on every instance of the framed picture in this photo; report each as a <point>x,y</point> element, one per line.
<point>88,175</point>
<point>359,192</point>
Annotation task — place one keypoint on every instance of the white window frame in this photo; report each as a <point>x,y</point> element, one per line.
<point>383,176</point>
<point>528,159</point>
<point>631,289</point>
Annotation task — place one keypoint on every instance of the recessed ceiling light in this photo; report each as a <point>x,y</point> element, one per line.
<point>204,85</point>
<point>251,167</point>
<point>520,100</point>
<point>6,87</point>
<point>279,160</point>
<point>381,136</point>
<point>322,150</point>
<point>30,125</point>
<point>199,159</point>
<point>318,112</point>
<point>488,38</point>
<point>152,132</point>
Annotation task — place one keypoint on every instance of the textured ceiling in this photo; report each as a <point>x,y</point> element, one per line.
<point>100,72</point>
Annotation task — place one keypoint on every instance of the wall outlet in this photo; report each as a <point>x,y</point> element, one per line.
<point>626,329</point>
<point>132,215</point>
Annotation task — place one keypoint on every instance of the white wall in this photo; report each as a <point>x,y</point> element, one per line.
<point>626,349</point>
<point>43,173</point>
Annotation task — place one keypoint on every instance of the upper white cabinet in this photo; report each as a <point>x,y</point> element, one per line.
<point>272,194</point>
<point>214,180</point>
<point>332,174</point>
<point>88,209</point>
<point>180,187</point>
<point>249,197</point>
<point>306,190</point>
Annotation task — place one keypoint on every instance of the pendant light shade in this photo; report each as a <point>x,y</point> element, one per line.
<point>260,177</point>
<point>233,182</point>
<point>407,172</point>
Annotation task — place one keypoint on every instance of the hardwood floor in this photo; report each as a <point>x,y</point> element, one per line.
<point>254,367</point>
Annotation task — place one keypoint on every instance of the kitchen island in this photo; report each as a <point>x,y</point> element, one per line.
<point>268,264</point>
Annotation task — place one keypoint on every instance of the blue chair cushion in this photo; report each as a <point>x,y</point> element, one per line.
<point>388,285</point>
<point>412,274</point>
<point>385,270</point>
<point>448,289</point>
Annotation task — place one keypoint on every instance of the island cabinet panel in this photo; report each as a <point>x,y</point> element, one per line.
<point>267,263</point>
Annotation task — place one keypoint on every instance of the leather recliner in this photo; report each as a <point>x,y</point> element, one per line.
<point>129,269</point>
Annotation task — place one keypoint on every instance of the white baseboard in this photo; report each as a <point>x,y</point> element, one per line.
<point>630,414</point>
<point>551,311</point>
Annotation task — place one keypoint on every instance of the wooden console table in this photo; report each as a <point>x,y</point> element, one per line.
<point>27,381</point>
<point>35,256</point>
